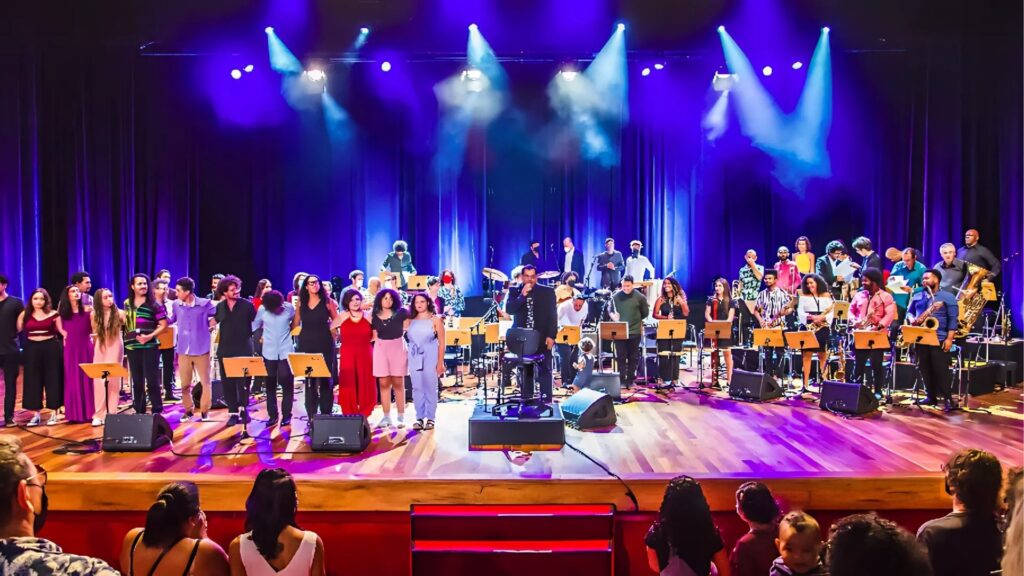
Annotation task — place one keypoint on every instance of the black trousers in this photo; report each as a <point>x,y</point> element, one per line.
<point>933,363</point>
<point>860,360</point>
<point>668,366</point>
<point>144,366</point>
<point>567,354</point>
<point>44,372</point>
<point>320,391</point>
<point>627,355</point>
<point>279,373</point>
<point>236,390</point>
<point>9,365</point>
<point>167,370</point>
<point>541,374</point>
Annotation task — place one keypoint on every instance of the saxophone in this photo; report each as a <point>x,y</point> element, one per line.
<point>737,294</point>
<point>924,319</point>
<point>971,304</point>
<point>779,320</point>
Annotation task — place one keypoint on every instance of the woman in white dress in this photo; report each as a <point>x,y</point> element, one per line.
<point>274,545</point>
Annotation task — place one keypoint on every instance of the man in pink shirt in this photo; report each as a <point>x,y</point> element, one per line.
<point>789,275</point>
<point>871,309</point>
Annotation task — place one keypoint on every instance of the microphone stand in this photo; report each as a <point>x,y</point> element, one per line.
<point>593,262</point>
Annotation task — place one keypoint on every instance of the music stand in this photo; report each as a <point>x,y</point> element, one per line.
<point>610,331</point>
<point>870,339</point>
<point>568,335</point>
<point>459,338</point>
<point>166,337</point>
<point>716,330</point>
<point>105,371</point>
<point>309,365</point>
<point>802,340</point>
<point>244,367</point>
<point>491,335</point>
<point>767,338</point>
<point>841,310</point>
<point>919,335</point>
<point>673,331</point>
<point>417,282</point>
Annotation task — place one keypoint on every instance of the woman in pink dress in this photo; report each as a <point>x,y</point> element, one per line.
<point>357,389</point>
<point>73,324</point>
<point>107,323</point>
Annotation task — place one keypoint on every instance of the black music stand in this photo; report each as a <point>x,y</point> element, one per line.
<point>716,330</point>
<point>673,331</point>
<point>244,367</point>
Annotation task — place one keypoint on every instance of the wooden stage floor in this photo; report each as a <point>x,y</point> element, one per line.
<point>813,459</point>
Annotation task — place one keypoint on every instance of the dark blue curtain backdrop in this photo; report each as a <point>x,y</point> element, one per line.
<point>117,163</point>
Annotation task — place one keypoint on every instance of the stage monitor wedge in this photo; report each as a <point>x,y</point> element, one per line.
<point>589,409</point>
<point>847,398</point>
<point>754,386</point>
<point>135,432</point>
<point>333,433</point>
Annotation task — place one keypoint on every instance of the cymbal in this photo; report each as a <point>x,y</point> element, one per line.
<point>548,275</point>
<point>495,274</point>
<point>668,353</point>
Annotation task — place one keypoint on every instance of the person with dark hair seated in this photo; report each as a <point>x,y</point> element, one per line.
<point>799,545</point>
<point>174,539</point>
<point>23,506</point>
<point>967,541</point>
<point>866,544</point>
<point>684,539</point>
<point>274,544</point>
<point>755,551</point>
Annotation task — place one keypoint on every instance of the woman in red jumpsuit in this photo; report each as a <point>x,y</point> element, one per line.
<point>357,389</point>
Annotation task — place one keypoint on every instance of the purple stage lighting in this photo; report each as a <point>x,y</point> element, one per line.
<point>236,73</point>
<point>826,29</point>
<point>798,65</point>
<point>767,70</point>
<point>621,27</point>
<point>645,72</point>
<point>659,66</point>
<point>269,29</point>
<point>249,68</point>
<point>473,27</point>
<point>364,30</point>
<point>385,66</point>
<point>721,29</point>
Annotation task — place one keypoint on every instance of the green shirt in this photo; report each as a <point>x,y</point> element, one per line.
<point>632,309</point>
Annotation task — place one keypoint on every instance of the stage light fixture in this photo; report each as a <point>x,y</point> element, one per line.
<point>364,30</point>
<point>659,66</point>
<point>475,80</point>
<point>621,27</point>
<point>473,27</point>
<point>385,66</point>
<point>269,29</point>
<point>315,75</point>
<point>249,68</point>
<point>767,70</point>
<point>826,29</point>
<point>569,74</point>
<point>645,72</point>
<point>798,65</point>
<point>236,73</point>
<point>721,29</point>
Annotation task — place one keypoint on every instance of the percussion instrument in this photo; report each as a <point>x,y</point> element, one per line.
<point>549,275</point>
<point>495,274</point>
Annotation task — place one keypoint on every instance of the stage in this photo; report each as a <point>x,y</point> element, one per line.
<point>814,459</point>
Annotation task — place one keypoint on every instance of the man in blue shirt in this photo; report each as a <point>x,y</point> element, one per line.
<point>933,361</point>
<point>911,270</point>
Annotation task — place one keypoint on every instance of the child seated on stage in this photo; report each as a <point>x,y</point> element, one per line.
<point>585,365</point>
<point>799,544</point>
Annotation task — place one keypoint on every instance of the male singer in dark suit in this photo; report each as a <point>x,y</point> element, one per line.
<point>535,308</point>
<point>572,261</point>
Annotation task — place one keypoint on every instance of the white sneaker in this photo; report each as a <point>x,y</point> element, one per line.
<point>385,422</point>
<point>97,422</point>
<point>54,419</point>
<point>33,422</point>
<point>201,418</point>
<point>401,420</point>
<point>185,417</point>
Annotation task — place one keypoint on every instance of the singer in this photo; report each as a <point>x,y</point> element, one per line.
<point>534,308</point>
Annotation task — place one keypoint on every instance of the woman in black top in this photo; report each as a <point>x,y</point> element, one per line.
<point>670,305</point>
<point>316,313</point>
<point>720,307</point>
<point>174,540</point>
<point>390,357</point>
<point>685,532</point>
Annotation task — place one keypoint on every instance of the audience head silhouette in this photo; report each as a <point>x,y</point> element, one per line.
<point>175,515</point>
<point>866,544</point>
<point>270,508</point>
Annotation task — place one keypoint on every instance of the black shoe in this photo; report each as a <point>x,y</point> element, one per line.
<point>170,397</point>
<point>9,423</point>
<point>950,405</point>
<point>272,422</point>
<point>929,401</point>
<point>286,422</point>
<point>233,420</point>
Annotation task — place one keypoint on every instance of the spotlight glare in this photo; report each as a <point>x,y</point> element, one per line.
<point>767,70</point>
<point>659,66</point>
<point>569,75</point>
<point>826,29</point>
<point>364,30</point>
<point>315,75</point>
<point>621,27</point>
<point>249,68</point>
<point>269,29</point>
<point>721,29</point>
<point>236,73</point>
<point>645,72</point>
<point>798,65</point>
<point>385,66</point>
<point>473,27</point>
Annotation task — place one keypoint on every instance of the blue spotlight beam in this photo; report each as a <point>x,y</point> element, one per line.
<point>282,60</point>
<point>481,56</point>
<point>814,109</point>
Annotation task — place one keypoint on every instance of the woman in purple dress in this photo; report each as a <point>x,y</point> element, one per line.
<point>75,325</point>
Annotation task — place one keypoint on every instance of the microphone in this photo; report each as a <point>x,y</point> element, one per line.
<point>552,247</point>
<point>492,249</point>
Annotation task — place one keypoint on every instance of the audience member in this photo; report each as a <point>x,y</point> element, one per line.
<point>866,544</point>
<point>174,540</point>
<point>684,539</point>
<point>23,506</point>
<point>967,541</point>
<point>1013,553</point>
<point>755,551</point>
<point>799,545</point>
<point>274,544</point>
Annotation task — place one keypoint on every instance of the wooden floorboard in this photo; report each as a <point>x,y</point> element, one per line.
<point>815,459</point>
